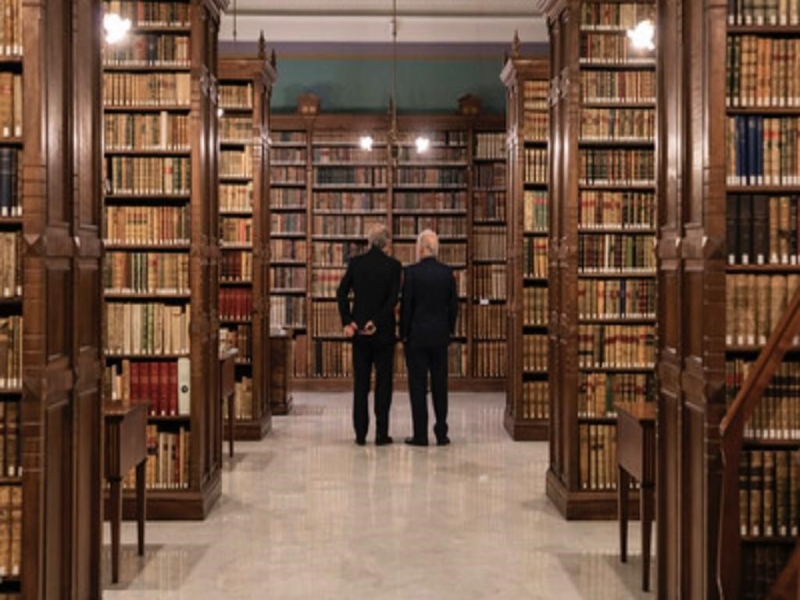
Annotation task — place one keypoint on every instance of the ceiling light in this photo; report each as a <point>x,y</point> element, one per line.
<point>366,142</point>
<point>423,144</point>
<point>642,35</point>
<point>116,27</point>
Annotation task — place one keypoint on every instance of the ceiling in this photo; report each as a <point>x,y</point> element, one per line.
<point>369,21</point>
<point>373,7</point>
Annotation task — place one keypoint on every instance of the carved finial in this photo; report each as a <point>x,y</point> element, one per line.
<point>273,60</point>
<point>308,104</point>
<point>469,105</point>
<point>515,45</point>
<point>262,46</point>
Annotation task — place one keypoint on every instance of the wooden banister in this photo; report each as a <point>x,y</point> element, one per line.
<point>787,586</point>
<point>729,565</point>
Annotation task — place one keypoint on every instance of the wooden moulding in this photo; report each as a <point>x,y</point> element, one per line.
<point>176,505</point>
<point>588,505</point>
<point>526,430</point>
<point>251,431</point>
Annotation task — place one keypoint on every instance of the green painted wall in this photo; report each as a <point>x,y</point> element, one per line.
<point>362,84</point>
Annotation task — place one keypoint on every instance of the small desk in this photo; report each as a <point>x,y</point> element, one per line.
<point>125,448</point>
<point>227,390</point>
<point>636,456</point>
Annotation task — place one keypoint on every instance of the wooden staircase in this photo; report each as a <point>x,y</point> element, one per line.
<point>732,431</point>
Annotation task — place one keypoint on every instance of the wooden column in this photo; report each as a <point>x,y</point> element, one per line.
<point>61,404</point>
<point>691,308</point>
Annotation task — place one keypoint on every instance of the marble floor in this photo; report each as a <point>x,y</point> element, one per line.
<point>306,514</point>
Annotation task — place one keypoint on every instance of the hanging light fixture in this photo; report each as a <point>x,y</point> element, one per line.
<point>422,143</point>
<point>220,109</point>
<point>643,35</point>
<point>116,28</point>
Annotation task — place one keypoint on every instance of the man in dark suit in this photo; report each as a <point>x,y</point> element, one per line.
<point>428,314</point>
<point>374,279</point>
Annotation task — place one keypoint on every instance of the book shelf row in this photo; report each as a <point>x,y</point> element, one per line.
<point>456,188</point>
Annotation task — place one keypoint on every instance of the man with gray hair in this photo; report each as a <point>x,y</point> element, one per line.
<point>428,314</point>
<point>374,280</point>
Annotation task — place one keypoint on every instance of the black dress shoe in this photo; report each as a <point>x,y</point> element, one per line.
<point>412,441</point>
<point>361,441</point>
<point>383,440</point>
<point>443,441</point>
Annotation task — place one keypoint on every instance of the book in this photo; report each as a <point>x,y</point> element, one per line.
<point>184,386</point>
<point>10,192</point>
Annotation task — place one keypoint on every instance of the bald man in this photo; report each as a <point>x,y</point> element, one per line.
<point>428,314</point>
<point>374,279</point>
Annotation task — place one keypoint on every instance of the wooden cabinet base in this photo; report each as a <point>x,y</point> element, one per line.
<point>281,407</point>
<point>586,505</point>
<point>526,430</point>
<point>250,431</point>
<point>175,505</point>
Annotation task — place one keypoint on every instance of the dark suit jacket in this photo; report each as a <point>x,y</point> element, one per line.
<point>429,306</point>
<point>374,278</point>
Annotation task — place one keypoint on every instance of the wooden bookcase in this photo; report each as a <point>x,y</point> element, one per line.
<point>246,86</point>
<point>50,380</point>
<point>527,84</point>
<point>762,274</point>
<point>326,190</point>
<point>162,244</point>
<point>602,232</point>
<point>727,266</point>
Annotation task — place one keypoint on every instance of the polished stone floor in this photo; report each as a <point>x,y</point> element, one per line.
<point>306,514</point>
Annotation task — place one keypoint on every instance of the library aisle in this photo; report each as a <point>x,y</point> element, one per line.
<point>305,514</point>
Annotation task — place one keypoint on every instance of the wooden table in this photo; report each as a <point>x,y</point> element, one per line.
<point>636,457</point>
<point>125,448</point>
<point>227,390</point>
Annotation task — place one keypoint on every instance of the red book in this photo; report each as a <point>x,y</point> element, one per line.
<point>136,384</point>
<point>147,386</point>
<point>155,388</point>
<point>144,385</point>
<point>163,391</point>
<point>172,388</point>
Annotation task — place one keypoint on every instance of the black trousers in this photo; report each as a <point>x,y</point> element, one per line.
<point>423,361</point>
<point>367,353</point>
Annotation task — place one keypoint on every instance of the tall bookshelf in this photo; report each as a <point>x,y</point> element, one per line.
<point>761,205</point>
<point>527,99</point>
<point>289,244</point>
<point>245,91</point>
<point>602,232</point>
<point>161,237</point>
<point>327,191</point>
